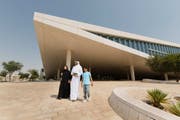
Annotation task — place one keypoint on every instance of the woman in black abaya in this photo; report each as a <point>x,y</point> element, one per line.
<point>64,88</point>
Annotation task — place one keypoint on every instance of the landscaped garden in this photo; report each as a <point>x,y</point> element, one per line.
<point>159,99</point>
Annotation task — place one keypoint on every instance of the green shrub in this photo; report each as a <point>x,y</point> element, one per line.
<point>165,64</point>
<point>24,75</point>
<point>33,74</point>
<point>175,109</point>
<point>3,73</point>
<point>157,97</point>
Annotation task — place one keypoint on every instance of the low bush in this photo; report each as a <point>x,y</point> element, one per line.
<point>157,97</point>
<point>175,109</point>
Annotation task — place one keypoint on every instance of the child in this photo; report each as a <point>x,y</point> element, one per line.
<point>86,81</point>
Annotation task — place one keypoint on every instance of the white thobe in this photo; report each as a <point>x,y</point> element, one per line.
<point>74,94</point>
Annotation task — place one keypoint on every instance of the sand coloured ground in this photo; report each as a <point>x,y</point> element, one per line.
<point>37,101</point>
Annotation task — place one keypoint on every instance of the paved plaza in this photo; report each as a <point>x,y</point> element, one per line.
<point>37,101</point>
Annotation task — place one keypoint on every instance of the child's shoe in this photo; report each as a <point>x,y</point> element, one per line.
<point>84,100</point>
<point>89,99</point>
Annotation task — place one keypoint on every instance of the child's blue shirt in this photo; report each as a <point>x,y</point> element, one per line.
<point>86,76</point>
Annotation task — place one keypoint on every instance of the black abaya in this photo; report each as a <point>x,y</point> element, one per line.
<point>64,88</point>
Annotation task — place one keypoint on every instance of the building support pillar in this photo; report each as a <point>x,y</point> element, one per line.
<point>89,69</point>
<point>166,76</point>
<point>128,78</point>
<point>58,74</point>
<point>68,59</point>
<point>132,73</point>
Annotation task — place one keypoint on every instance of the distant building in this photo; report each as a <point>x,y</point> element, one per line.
<point>111,54</point>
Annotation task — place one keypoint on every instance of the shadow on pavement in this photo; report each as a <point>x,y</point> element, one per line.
<point>54,96</point>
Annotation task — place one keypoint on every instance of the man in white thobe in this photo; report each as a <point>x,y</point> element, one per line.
<point>75,81</point>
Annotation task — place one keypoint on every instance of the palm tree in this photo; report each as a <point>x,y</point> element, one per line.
<point>156,64</point>
<point>176,66</point>
<point>153,63</point>
<point>165,64</point>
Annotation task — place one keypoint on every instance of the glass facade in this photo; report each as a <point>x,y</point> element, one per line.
<point>146,47</point>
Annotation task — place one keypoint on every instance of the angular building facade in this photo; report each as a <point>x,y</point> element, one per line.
<point>110,54</point>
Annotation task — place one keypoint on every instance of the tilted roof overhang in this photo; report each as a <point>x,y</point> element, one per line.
<point>55,37</point>
<point>103,30</point>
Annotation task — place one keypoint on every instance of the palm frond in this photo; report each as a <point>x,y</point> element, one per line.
<point>157,97</point>
<point>175,109</point>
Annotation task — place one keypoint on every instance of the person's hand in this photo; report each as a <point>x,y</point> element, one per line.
<point>61,74</point>
<point>91,83</point>
<point>75,74</point>
<point>69,81</point>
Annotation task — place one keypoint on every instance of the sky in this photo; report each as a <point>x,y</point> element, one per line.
<point>154,18</point>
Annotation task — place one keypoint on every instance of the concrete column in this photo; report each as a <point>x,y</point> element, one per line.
<point>128,78</point>
<point>89,69</point>
<point>132,73</point>
<point>68,59</point>
<point>58,74</point>
<point>166,76</point>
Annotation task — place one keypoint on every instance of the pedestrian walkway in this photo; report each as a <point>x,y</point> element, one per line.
<point>37,101</point>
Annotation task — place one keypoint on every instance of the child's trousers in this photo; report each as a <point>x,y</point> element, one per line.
<point>86,89</point>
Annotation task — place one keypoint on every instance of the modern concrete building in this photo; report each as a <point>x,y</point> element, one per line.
<point>110,54</point>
